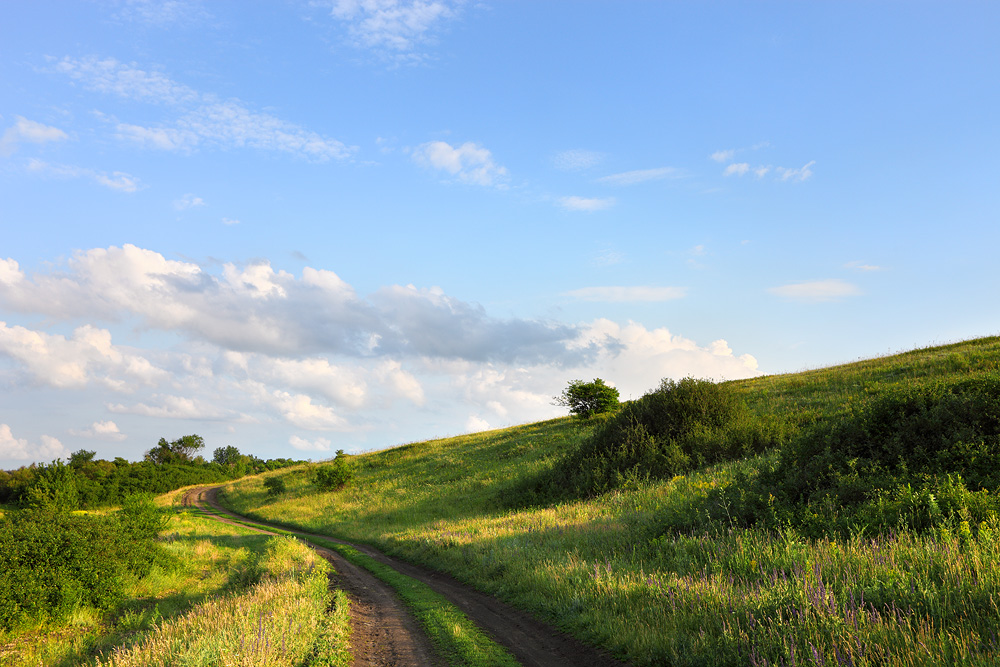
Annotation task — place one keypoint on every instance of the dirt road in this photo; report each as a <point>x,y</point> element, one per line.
<point>382,636</point>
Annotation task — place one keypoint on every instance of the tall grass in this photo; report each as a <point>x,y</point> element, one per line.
<point>211,567</point>
<point>649,572</point>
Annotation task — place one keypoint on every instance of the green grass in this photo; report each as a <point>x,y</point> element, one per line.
<point>225,596</point>
<point>457,639</point>
<point>614,570</point>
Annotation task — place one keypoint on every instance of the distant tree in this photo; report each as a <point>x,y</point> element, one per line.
<point>181,450</point>
<point>81,456</point>
<point>53,488</point>
<point>227,456</point>
<point>585,399</point>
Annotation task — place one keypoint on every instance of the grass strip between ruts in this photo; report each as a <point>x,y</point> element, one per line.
<point>453,634</point>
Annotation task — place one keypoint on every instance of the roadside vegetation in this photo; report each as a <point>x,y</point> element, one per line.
<point>842,516</point>
<point>207,593</point>
<point>84,482</point>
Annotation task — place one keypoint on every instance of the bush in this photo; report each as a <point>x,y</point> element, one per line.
<point>274,485</point>
<point>334,475</point>
<point>904,458</point>
<point>53,562</point>
<point>586,399</point>
<point>678,426</point>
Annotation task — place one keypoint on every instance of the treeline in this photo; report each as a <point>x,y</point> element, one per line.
<point>85,482</point>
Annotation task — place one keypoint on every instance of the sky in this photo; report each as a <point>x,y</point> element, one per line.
<point>302,226</point>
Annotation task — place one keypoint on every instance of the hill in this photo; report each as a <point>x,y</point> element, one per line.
<point>882,554</point>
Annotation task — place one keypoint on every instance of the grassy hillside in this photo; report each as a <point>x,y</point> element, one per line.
<point>708,567</point>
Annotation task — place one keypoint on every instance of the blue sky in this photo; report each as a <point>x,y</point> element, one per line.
<point>297,227</point>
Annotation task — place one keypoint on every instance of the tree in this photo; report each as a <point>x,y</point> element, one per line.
<point>585,399</point>
<point>181,450</point>
<point>227,456</point>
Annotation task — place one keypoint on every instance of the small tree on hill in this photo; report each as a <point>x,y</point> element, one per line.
<point>585,399</point>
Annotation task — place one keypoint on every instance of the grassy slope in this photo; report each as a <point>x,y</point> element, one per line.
<point>605,570</point>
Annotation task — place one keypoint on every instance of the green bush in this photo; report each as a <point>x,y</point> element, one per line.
<point>677,427</point>
<point>274,485</point>
<point>586,399</point>
<point>53,562</point>
<point>901,458</point>
<point>335,474</point>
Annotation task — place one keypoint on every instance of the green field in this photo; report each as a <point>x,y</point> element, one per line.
<point>873,560</point>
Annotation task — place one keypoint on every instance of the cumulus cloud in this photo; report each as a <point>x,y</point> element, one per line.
<point>586,204</point>
<point>577,159</point>
<point>817,291</point>
<point>475,424</point>
<point>198,119</point>
<point>19,449</point>
<point>28,131</point>
<point>303,445</point>
<point>641,176</point>
<point>627,294</point>
<point>257,309</point>
<point>394,28</point>
<point>469,163</point>
<point>262,346</point>
<point>86,357</point>
<point>117,180</point>
<point>100,430</point>
<point>723,155</point>
<point>738,169</point>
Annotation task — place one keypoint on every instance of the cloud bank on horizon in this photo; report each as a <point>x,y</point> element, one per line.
<point>253,345</point>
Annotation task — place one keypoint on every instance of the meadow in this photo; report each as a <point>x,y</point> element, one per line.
<point>216,594</point>
<point>887,555</point>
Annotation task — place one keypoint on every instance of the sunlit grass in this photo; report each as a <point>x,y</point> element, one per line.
<point>211,570</point>
<point>611,572</point>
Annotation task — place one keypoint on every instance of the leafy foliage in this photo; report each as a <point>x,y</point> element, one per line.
<point>335,474</point>
<point>51,562</point>
<point>586,399</point>
<point>677,427</point>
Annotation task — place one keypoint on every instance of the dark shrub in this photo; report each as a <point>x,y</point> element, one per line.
<point>335,474</point>
<point>674,428</point>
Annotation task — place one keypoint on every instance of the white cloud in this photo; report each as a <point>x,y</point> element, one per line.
<point>641,176</point>
<point>117,180</point>
<point>739,169</point>
<point>470,163</point>
<point>394,28</point>
<point>817,291</point>
<point>19,449</point>
<point>28,131</point>
<point>300,410</point>
<point>203,119</point>
<point>586,204</point>
<point>724,155</point>
<point>800,174</point>
<point>188,201</point>
<point>303,445</point>
<point>628,294</point>
<point>108,75</point>
<point>172,407</point>
<point>230,221</point>
<point>102,430</point>
<point>608,258</point>
<point>475,424</point>
<point>577,159</point>
<point>87,357</point>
